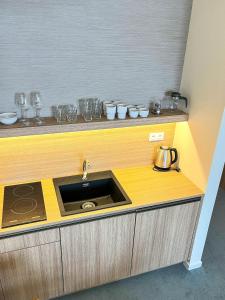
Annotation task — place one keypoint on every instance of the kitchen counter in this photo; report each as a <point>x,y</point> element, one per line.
<point>143,186</point>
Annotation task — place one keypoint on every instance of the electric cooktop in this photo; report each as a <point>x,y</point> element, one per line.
<point>23,203</point>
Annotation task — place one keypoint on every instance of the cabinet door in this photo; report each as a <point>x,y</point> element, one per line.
<point>32,273</point>
<point>163,237</point>
<point>1,292</point>
<point>29,240</point>
<point>97,252</point>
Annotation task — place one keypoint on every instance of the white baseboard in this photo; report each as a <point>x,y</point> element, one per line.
<point>191,266</point>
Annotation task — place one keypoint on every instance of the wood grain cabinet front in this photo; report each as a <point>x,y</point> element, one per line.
<point>29,240</point>
<point>32,273</point>
<point>97,252</point>
<point>1,292</point>
<point>163,237</point>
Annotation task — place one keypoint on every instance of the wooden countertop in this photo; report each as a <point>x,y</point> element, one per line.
<point>143,186</point>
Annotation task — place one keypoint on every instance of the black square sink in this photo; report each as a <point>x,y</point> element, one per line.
<point>101,190</point>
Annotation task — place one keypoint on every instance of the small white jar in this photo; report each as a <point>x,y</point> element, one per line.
<point>110,108</point>
<point>110,111</point>
<point>105,103</point>
<point>143,112</point>
<point>121,116</point>
<point>133,113</point>
<point>110,116</point>
<point>121,109</point>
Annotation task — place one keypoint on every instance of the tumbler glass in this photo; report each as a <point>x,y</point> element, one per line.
<point>86,108</point>
<point>97,108</point>
<point>71,113</point>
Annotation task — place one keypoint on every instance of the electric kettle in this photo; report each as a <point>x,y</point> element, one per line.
<point>166,157</point>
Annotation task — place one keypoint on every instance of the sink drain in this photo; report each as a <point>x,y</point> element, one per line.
<point>88,204</point>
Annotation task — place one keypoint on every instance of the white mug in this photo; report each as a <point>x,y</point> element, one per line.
<point>121,108</point>
<point>110,108</point>
<point>110,116</point>
<point>104,106</point>
<point>121,115</point>
<point>143,112</point>
<point>133,113</point>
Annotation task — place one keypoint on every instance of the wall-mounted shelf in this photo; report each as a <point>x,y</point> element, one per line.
<point>51,126</point>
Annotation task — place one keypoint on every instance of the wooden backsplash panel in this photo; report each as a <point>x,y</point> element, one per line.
<point>54,155</point>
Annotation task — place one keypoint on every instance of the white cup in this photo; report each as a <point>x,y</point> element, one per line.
<point>143,112</point>
<point>121,115</point>
<point>104,106</point>
<point>110,116</point>
<point>133,113</point>
<point>110,109</point>
<point>121,108</point>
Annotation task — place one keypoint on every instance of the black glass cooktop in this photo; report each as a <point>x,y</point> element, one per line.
<point>23,203</point>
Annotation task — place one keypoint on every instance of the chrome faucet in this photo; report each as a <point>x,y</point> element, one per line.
<point>86,165</point>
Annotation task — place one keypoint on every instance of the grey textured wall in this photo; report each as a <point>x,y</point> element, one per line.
<point>120,49</point>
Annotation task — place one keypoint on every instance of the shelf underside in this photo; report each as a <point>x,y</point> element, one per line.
<point>51,126</point>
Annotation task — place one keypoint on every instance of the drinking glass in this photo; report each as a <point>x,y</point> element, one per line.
<point>81,105</point>
<point>22,103</point>
<point>59,113</point>
<point>65,113</point>
<point>97,108</point>
<point>86,108</point>
<point>35,99</point>
<point>71,113</point>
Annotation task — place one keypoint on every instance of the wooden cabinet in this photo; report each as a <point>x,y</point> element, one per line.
<point>29,240</point>
<point>163,236</point>
<point>1,293</point>
<point>38,266</point>
<point>31,273</point>
<point>97,252</point>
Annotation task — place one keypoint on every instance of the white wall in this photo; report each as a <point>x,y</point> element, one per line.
<point>209,199</point>
<point>126,49</point>
<point>203,81</point>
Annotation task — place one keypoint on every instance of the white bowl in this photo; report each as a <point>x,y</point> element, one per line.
<point>143,112</point>
<point>8,118</point>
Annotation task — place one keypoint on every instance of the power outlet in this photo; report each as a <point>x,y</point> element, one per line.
<point>156,136</point>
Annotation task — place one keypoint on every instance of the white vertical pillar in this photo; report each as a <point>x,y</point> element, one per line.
<point>209,200</point>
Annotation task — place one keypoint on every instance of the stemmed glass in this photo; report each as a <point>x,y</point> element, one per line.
<point>35,100</point>
<point>21,102</point>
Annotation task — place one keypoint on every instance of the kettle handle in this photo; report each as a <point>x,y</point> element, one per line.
<point>175,155</point>
<point>185,100</point>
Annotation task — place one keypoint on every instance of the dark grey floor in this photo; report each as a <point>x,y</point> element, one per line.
<point>175,283</point>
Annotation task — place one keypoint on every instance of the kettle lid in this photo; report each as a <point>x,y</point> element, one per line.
<point>164,147</point>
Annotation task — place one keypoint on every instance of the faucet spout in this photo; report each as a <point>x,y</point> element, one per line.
<point>86,165</point>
